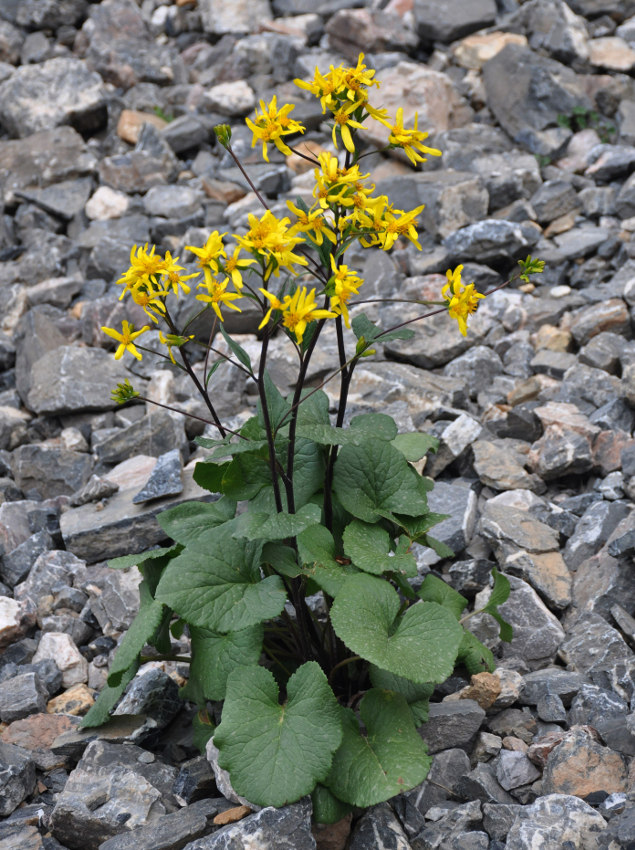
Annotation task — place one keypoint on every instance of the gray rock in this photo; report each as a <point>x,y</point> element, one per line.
<point>606,712</point>
<point>599,318</point>
<point>454,439</point>
<point>477,367</point>
<point>564,684</point>
<point>451,824</point>
<point>49,470</point>
<point>501,468</point>
<point>560,452</point>
<point>481,784</point>
<point>452,199</point>
<point>513,769</point>
<point>511,79</point>
<point>492,240</point>
<point>49,14</point>
<point>195,781</point>
<point>452,724</point>
<point>16,564</point>
<point>114,789</point>
<point>54,569</point>
<point>452,20</point>
<point>593,530</point>
<point>172,201</point>
<point>552,363</point>
<point>555,819</point>
<point>244,16</point>
<point>71,379</point>
<point>20,696</point>
<point>498,818</point>
<point>580,242</point>
<point>508,177</point>
<point>17,778</point>
<point>64,199</point>
<point>155,435</point>
<point>136,171</point>
<point>460,503</point>
<point>537,633</point>
<point>551,26</point>
<point>58,91</point>
<point>171,831</point>
<point>610,162</point>
<point>378,829</point>
<point>165,479</point>
<point>186,132</point>
<point>95,489</point>
<point>288,828</point>
<point>154,694</point>
<point>554,199</point>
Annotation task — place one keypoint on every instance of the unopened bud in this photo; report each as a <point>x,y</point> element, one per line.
<point>223,134</point>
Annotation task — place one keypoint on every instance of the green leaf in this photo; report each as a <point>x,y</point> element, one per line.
<point>237,350</point>
<point>440,548</point>
<point>192,522</point>
<point>435,589</point>
<point>141,631</point>
<point>275,753</point>
<point>110,695</point>
<point>377,425</point>
<point>229,449</point>
<point>276,405</point>
<point>309,468</point>
<point>421,645</point>
<point>213,369</point>
<point>416,695</point>
<point>388,759</point>
<point>282,559</point>
<point>208,474</point>
<point>476,657</point>
<point>202,730</point>
<point>222,589</point>
<point>326,807</point>
<point>246,475</point>
<point>316,550</point>
<point>263,526</point>
<point>374,479</point>
<point>417,527</point>
<point>127,561</point>
<point>215,655</point>
<point>499,594</point>
<point>368,546</point>
<point>415,445</point>
<point>363,327</point>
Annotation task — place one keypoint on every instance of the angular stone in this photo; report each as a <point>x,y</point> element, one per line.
<point>556,820</point>
<point>71,379</point>
<point>580,766</point>
<point>53,569</point>
<point>580,241</point>
<point>553,199</point>
<point>154,694</point>
<point>513,769</point>
<point>378,827</point>
<point>499,469</point>
<point>114,789</point>
<point>593,530</point>
<point>16,564</point>
<point>156,434</point>
<point>106,204</point>
<point>121,526</point>
<point>546,572</point>
<point>36,734</point>
<point>132,120</point>
<point>61,649</point>
<point>57,91</point>
<point>610,162</point>
<point>492,240</point>
<point>537,633</point>
<point>551,709</point>
<point>452,199</point>
<point>17,777</point>
<point>611,316</point>
<point>608,714</point>
<point>65,199</point>
<point>165,479</point>
<point>16,620</point>
<point>172,201</point>
<point>452,724</point>
<point>288,828</point>
<point>511,79</point>
<point>76,701</point>
<point>233,99</point>
<point>453,441</point>
<point>509,530</point>
<point>552,680</point>
<point>452,20</point>
<point>243,17</point>
<point>460,503</point>
<point>560,452</point>
<point>94,490</point>
<point>195,781</point>
<point>481,784</point>
<point>474,51</point>
<point>136,171</point>
<point>20,696</point>
<point>49,471</point>
<point>552,26</point>
<point>172,831</point>
<point>352,30</point>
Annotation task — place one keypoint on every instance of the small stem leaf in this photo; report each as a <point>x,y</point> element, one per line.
<point>277,406</point>
<point>421,645</point>
<point>127,561</point>
<point>215,655</point>
<point>363,327</point>
<point>227,449</point>
<point>377,425</point>
<point>368,546</point>
<point>263,526</point>
<point>275,753</point>
<point>316,550</point>
<point>373,478</point>
<point>141,631</point>
<point>281,558</point>
<point>221,589</point>
<point>499,595</point>
<point>246,475</point>
<point>442,550</point>
<point>110,695</point>
<point>436,590</point>
<point>192,522</point>
<point>238,350</point>
<point>415,445</point>
<point>476,657</point>
<point>388,759</point>
<point>209,475</point>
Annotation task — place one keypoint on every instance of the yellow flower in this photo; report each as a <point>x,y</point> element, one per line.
<point>345,283</point>
<point>233,266</point>
<point>145,266</point>
<point>151,300</point>
<point>271,240</point>
<point>276,304</point>
<point>126,339</point>
<point>400,223</point>
<point>311,222</point>
<point>171,277</point>
<point>411,141</point>
<point>462,300</point>
<point>299,309</point>
<point>217,295</point>
<point>340,84</point>
<point>210,252</point>
<point>271,124</point>
<point>342,121</point>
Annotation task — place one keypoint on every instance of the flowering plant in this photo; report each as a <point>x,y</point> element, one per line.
<point>295,584</point>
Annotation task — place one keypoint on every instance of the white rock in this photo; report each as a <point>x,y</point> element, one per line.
<point>106,203</point>
<point>61,649</point>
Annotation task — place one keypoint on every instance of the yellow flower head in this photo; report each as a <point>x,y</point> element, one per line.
<point>210,252</point>
<point>462,300</point>
<point>299,309</point>
<point>145,267</point>
<point>233,267</point>
<point>271,124</point>
<point>411,141</point>
<point>340,84</point>
<point>171,277</point>
<point>343,284</point>
<point>272,241</point>
<point>126,339</point>
<point>218,296</point>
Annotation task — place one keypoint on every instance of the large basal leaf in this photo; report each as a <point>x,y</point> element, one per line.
<point>374,479</point>
<point>326,807</point>
<point>390,757</point>
<point>263,526</point>
<point>222,590</point>
<point>215,656</point>
<point>191,522</point>
<point>283,559</point>
<point>416,695</point>
<point>476,657</point>
<point>275,753</point>
<point>415,445</point>
<point>368,546</point>
<point>421,645</point>
<point>377,425</point>
<point>436,590</point>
